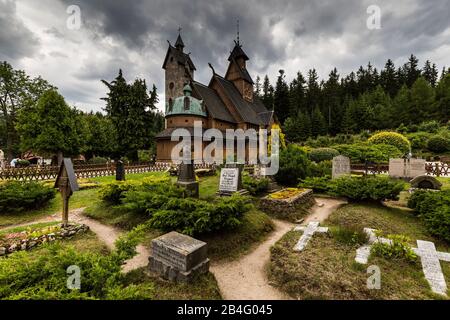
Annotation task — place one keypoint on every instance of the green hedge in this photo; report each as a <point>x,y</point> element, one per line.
<point>434,209</point>
<point>438,144</point>
<point>318,184</point>
<point>20,196</point>
<point>367,188</point>
<point>193,216</point>
<point>362,152</point>
<point>255,186</point>
<point>322,154</point>
<point>391,138</point>
<point>294,165</point>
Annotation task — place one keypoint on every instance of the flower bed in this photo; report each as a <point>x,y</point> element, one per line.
<point>27,240</point>
<point>287,203</point>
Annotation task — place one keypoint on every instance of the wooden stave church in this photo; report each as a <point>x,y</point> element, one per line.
<point>228,102</point>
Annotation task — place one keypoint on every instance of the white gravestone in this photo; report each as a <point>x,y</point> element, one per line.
<point>406,168</point>
<point>308,232</point>
<point>229,180</point>
<point>341,166</point>
<point>429,258</point>
<point>431,266</point>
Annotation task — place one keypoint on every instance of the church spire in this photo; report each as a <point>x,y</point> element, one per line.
<point>179,43</point>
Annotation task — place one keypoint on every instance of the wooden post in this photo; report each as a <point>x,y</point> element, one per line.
<point>66,182</point>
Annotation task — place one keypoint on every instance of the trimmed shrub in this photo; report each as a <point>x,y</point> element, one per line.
<point>113,193</point>
<point>367,188</point>
<point>434,209</point>
<point>438,144</point>
<point>20,196</point>
<point>429,126</point>
<point>294,165</point>
<point>419,140</point>
<point>318,184</point>
<point>365,152</point>
<point>320,169</point>
<point>391,138</point>
<point>192,216</point>
<point>98,160</point>
<point>255,186</point>
<point>322,154</point>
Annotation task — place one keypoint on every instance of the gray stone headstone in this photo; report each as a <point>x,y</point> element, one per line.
<point>229,180</point>
<point>406,168</point>
<point>341,166</point>
<point>178,257</point>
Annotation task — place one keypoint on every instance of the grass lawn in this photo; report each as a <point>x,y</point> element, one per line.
<point>326,268</point>
<point>79,199</point>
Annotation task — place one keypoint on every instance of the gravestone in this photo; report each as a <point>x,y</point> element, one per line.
<point>406,168</point>
<point>341,166</point>
<point>186,174</point>
<point>178,257</point>
<point>67,183</point>
<point>308,232</point>
<point>425,182</point>
<point>231,180</point>
<point>120,171</point>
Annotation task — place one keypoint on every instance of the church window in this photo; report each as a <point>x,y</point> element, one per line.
<point>187,103</point>
<point>170,105</point>
<point>171,85</point>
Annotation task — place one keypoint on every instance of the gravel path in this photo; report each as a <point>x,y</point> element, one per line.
<point>246,278</point>
<point>107,234</point>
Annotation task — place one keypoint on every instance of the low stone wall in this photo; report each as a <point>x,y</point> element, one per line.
<point>30,243</point>
<point>287,208</point>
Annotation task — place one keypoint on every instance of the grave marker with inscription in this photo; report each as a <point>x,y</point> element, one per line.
<point>341,166</point>
<point>178,257</point>
<point>406,168</point>
<point>231,180</point>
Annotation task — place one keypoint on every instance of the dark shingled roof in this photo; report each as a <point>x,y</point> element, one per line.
<point>179,42</point>
<point>167,133</point>
<point>244,73</point>
<point>213,103</point>
<point>247,110</point>
<point>237,53</point>
<point>180,57</point>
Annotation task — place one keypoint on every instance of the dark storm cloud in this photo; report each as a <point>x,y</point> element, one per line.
<point>290,34</point>
<point>16,41</point>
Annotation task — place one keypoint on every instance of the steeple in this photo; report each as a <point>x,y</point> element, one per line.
<point>179,43</point>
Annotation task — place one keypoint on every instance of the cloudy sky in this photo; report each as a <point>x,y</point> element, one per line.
<point>295,35</point>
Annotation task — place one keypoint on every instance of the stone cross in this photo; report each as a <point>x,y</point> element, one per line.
<point>363,252</point>
<point>431,266</point>
<point>308,232</point>
<point>426,250</point>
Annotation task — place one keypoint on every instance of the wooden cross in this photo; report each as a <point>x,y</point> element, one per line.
<point>308,232</point>
<point>66,183</point>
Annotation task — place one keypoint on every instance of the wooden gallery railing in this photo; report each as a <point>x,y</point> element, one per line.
<point>437,169</point>
<point>366,169</point>
<point>81,171</point>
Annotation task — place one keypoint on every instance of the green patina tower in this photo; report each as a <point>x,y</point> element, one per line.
<point>186,105</point>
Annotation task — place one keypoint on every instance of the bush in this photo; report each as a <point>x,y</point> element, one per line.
<point>434,209</point>
<point>438,144</point>
<point>364,152</point>
<point>367,188</point>
<point>391,138</point>
<point>429,126</point>
<point>320,169</point>
<point>318,184</point>
<point>322,154</point>
<point>294,165</point>
<point>113,193</point>
<point>22,163</point>
<point>98,160</point>
<point>193,216</point>
<point>419,140</point>
<point>255,186</point>
<point>398,249</point>
<point>20,196</point>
